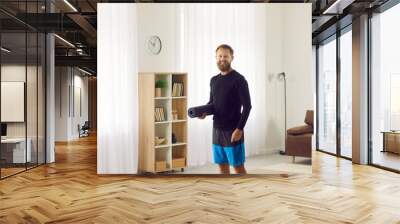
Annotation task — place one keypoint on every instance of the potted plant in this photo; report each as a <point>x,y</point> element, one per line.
<point>160,84</point>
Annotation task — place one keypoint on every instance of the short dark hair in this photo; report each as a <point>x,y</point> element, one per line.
<point>225,46</point>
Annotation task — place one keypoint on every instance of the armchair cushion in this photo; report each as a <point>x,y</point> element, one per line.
<point>300,130</point>
<point>309,119</point>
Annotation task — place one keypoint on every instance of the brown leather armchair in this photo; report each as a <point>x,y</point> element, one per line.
<point>298,139</point>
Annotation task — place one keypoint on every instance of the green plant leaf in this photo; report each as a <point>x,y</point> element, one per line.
<point>161,83</point>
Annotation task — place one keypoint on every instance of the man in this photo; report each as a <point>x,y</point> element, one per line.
<point>229,92</point>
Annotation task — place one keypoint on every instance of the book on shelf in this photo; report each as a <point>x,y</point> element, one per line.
<point>174,89</point>
<point>177,89</point>
<point>156,114</point>
<point>159,114</point>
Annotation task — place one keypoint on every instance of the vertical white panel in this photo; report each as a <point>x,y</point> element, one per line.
<point>50,114</point>
<point>62,100</point>
<point>274,86</point>
<point>117,89</point>
<point>297,53</point>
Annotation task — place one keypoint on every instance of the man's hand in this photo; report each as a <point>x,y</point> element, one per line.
<point>203,116</point>
<point>236,135</point>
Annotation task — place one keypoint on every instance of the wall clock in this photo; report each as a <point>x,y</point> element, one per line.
<point>154,45</point>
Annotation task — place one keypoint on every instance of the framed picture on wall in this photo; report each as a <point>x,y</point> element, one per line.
<point>12,101</point>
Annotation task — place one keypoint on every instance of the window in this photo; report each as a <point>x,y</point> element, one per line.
<point>22,65</point>
<point>327,97</point>
<point>385,88</point>
<point>346,94</point>
<point>394,102</point>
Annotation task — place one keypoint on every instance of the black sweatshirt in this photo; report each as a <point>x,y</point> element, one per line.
<point>228,94</point>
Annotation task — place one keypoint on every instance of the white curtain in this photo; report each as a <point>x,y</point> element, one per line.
<point>202,28</point>
<point>117,85</point>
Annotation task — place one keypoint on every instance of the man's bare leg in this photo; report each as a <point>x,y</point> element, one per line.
<point>224,168</point>
<point>240,169</point>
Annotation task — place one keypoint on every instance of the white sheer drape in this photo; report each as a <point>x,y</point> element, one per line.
<point>203,28</point>
<point>117,89</point>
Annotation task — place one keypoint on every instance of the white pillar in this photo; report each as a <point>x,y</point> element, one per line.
<point>50,99</point>
<point>360,90</point>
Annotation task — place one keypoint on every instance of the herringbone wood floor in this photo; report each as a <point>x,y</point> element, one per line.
<point>69,191</point>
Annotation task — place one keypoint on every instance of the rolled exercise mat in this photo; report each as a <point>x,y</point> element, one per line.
<point>198,111</point>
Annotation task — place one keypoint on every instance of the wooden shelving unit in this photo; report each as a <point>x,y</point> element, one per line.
<point>168,155</point>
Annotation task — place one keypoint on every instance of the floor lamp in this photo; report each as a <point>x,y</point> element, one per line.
<point>281,76</point>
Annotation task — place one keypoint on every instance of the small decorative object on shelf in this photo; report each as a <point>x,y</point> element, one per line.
<point>173,138</point>
<point>160,84</point>
<point>174,115</point>
<point>159,140</point>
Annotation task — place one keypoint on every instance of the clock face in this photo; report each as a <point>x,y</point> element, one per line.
<point>154,45</point>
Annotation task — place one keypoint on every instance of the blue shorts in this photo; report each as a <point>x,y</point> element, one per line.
<point>234,155</point>
<point>225,151</point>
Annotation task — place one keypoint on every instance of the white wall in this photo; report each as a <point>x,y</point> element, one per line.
<point>297,55</point>
<point>275,87</point>
<point>80,83</point>
<point>61,103</point>
<point>66,121</point>
<point>160,20</point>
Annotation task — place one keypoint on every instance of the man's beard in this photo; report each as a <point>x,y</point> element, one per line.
<point>224,67</point>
